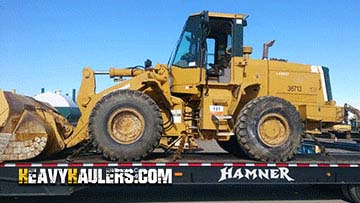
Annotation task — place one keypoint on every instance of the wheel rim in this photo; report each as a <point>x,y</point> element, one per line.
<point>126,126</point>
<point>273,130</point>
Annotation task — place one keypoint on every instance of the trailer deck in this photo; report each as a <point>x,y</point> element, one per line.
<point>210,166</point>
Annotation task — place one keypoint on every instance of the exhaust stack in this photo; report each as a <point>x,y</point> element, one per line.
<point>266,49</point>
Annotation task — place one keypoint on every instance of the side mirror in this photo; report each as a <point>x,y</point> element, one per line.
<point>244,22</point>
<point>205,16</point>
<point>147,63</point>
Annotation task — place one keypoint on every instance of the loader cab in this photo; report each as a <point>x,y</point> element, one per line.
<point>204,51</point>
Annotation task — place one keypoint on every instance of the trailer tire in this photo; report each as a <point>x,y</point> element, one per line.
<point>269,129</point>
<point>125,125</point>
<point>345,191</point>
<point>354,191</point>
<point>232,146</point>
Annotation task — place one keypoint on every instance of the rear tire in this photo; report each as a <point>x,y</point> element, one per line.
<point>125,125</point>
<point>269,129</point>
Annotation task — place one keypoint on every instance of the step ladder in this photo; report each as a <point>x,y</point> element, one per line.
<point>222,120</point>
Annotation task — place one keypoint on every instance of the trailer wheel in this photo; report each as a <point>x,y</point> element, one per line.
<point>269,129</point>
<point>232,146</point>
<point>125,125</point>
<point>354,191</point>
<point>346,193</point>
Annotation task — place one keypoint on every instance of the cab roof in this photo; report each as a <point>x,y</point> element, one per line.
<point>224,15</point>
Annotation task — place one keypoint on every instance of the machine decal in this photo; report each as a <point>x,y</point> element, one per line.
<point>323,86</point>
<point>215,109</point>
<point>282,73</point>
<point>294,88</point>
<point>239,21</point>
<point>252,174</point>
<point>71,176</point>
<point>176,115</point>
<point>314,69</point>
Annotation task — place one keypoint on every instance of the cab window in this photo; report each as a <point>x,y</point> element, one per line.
<point>187,50</point>
<point>219,43</point>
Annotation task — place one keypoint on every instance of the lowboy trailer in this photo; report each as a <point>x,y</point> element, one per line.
<point>59,177</point>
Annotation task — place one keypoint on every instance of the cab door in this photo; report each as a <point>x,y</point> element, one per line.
<point>185,67</point>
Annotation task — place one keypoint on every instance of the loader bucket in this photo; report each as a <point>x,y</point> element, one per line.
<point>29,128</point>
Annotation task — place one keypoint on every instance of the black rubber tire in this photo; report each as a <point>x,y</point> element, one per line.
<point>247,129</point>
<point>346,193</point>
<point>137,101</point>
<point>354,191</point>
<point>232,146</point>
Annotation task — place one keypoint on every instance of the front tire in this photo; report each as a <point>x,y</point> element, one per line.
<point>269,129</point>
<point>125,125</point>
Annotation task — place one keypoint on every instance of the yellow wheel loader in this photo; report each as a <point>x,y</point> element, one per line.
<point>211,89</point>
